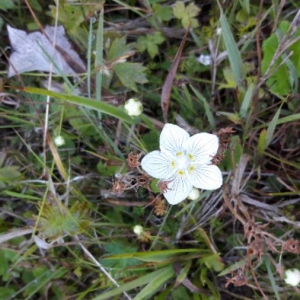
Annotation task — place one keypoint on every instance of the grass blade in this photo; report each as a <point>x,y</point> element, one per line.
<point>234,55</point>
<point>135,283</point>
<point>208,112</point>
<point>106,108</point>
<point>271,127</point>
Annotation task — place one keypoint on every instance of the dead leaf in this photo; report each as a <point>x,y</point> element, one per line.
<point>167,87</point>
<point>29,52</point>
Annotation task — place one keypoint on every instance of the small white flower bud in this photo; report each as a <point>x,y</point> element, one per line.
<point>292,277</point>
<point>219,31</point>
<point>59,141</point>
<point>194,194</point>
<point>138,230</point>
<point>133,107</point>
<point>204,60</point>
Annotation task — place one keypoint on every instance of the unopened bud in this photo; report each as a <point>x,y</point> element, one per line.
<point>194,194</point>
<point>133,107</point>
<point>138,230</point>
<point>59,141</point>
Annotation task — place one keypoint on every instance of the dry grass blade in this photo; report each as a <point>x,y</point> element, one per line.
<point>238,174</point>
<point>13,234</point>
<point>167,87</point>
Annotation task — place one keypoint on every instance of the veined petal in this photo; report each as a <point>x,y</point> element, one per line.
<point>206,177</point>
<point>158,165</point>
<point>178,189</point>
<point>202,147</point>
<point>172,138</point>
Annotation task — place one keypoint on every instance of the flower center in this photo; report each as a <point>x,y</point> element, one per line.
<point>182,161</point>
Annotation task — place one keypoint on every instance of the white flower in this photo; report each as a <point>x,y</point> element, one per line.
<point>218,31</point>
<point>138,229</point>
<point>183,162</point>
<point>194,194</point>
<point>59,141</point>
<point>204,60</point>
<point>292,277</point>
<point>133,107</point>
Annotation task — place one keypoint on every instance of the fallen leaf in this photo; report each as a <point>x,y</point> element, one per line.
<point>29,52</point>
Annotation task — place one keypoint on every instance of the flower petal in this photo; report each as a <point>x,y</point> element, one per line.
<point>172,138</point>
<point>202,146</point>
<point>178,189</point>
<point>206,177</point>
<point>158,165</point>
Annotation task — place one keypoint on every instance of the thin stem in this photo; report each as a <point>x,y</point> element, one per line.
<point>92,258</point>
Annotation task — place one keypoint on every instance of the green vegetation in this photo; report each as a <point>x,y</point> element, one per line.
<point>80,219</point>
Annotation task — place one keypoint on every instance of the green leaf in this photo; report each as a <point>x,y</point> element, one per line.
<point>179,10</point>
<point>234,55</point>
<point>262,142</point>
<point>271,278</point>
<point>21,196</point>
<point>155,284</point>
<point>232,268</point>
<point>186,21</point>
<point>229,78</point>
<point>154,256</point>
<point>152,49</point>
<point>6,258</point>
<point>186,14</point>
<point>287,119</point>
<point>71,17</point>
<point>140,281</point>
<point>36,5</point>
<point>285,78</point>
<point>8,174</point>
<point>141,43</point>
<point>150,43</point>
<point>278,82</point>
<point>118,248</point>
<point>212,261</point>
<point>157,38</point>
<point>7,292</point>
<point>118,49</point>
<point>271,127</point>
<point>7,4</point>
<point>130,74</point>
<point>184,272</point>
<point>162,13</point>
<point>234,117</point>
<point>41,281</point>
<point>103,107</point>
<point>192,10</point>
<point>181,293</point>
<point>247,101</point>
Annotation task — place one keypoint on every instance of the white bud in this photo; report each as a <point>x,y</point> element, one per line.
<point>219,31</point>
<point>59,141</point>
<point>292,277</point>
<point>204,60</point>
<point>138,230</point>
<point>194,194</point>
<point>133,107</point>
